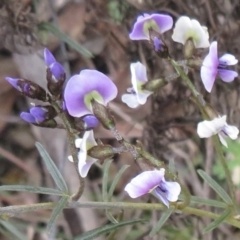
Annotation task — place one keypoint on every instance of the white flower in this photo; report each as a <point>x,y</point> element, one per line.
<point>186,28</point>
<point>84,160</point>
<point>137,95</point>
<point>218,126</point>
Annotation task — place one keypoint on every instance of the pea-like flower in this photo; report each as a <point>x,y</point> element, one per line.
<point>186,28</point>
<point>158,22</point>
<point>206,129</point>
<point>154,182</point>
<point>55,67</point>
<point>137,95</point>
<point>85,87</point>
<point>36,115</point>
<point>213,66</point>
<point>84,160</point>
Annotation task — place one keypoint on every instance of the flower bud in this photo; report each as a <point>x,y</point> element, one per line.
<point>154,84</point>
<point>101,152</point>
<point>28,88</point>
<point>103,115</point>
<point>86,123</point>
<point>188,48</point>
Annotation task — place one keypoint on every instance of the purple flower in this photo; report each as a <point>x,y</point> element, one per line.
<point>213,66</point>
<point>158,22</point>
<point>154,182</point>
<point>85,87</point>
<point>56,68</point>
<point>137,95</point>
<point>36,115</point>
<point>84,160</point>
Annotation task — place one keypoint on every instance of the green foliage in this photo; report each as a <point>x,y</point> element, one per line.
<point>52,168</point>
<point>233,151</point>
<point>93,234</point>
<point>45,26</point>
<point>162,220</point>
<point>117,9</point>
<point>216,187</point>
<point>219,220</point>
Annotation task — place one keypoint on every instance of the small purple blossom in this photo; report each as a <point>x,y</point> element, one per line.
<point>158,22</point>
<point>35,116</point>
<point>85,87</point>
<point>154,182</point>
<point>55,67</point>
<point>157,44</point>
<point>213,66</point>
<point>90,121</point>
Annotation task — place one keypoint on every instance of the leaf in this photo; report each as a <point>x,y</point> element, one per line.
<point>116,180</point>
<point>65,38</point>
<point>218,221</point>
<point>32,189</point>
<point>161,221</point>
<point>110,217</point>
<point>105,229</point>
<point>52,168</point>
<point>105,181</point>
<point>208,202</point>
<point>56,211</point>
<point>13,230</point>
<point>216,187</point>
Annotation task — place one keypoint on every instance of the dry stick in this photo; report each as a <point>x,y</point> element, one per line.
<point>202,107</point>
<point>14,210</point>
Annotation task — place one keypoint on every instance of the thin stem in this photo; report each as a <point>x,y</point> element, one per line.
<point>14,210</point>
<point>203,108</point>
<point>71,140</point>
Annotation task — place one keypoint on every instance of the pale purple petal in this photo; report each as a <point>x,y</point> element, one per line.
<point>38,113</point>
<point>227,75</point>
<point>161,196</point>
<point>142,97</point>
<point>13,82</point>
<point>231,131</point>
<point>85,83</point>
<point>138,73</point>
<point>27,117</point>
<point>130,100</point>
<point>162,22</point>
<point>222,139</point>
<point>144,183</point>
<point>228,60</point>
<point>48,57</point>
<point>208,75</point>
<point>211,60</point>
<point>173,190</point>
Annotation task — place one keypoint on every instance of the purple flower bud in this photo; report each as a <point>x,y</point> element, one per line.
<point>28,88</point>
<point>28,117</point>
<point>90,122</point>
<point>157,44</point>
<point>157,22</point>
<point>48,57</point>
<point>39,113</point>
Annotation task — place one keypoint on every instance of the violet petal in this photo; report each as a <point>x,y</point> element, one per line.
<point>38,113</point>
<point>13,82</point>
<point>90,121</point>
<point>48,57</point>
<point>228,59</point>
<point>227,75</point>
<point>27,117</point>
<point>57,70</point>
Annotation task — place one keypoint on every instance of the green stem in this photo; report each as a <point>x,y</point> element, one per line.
<point>203,108</point>
<point>74,151</point>
<point>14,210</point>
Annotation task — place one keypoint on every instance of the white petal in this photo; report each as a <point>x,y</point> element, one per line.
<point>142,97</point>
<point>70,158</point>
<point>173,190</point>
<point>78,142</point>
<point>182,25</point>
<point>131,100</point>
<point>231,131</point>
<point>228,59</point>
<point>222,139</point>
<point>199,34</point>
<point>206,128</point>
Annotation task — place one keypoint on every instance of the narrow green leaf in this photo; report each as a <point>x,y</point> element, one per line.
<point>217,221</point>
<point>32,189</point>
<point>162,220</point>
<point>116,180</point>
<point>105,229</point>
<point>65,38</point>
<point>13,230</point>
<point>56,211</point>
<point>105,180</point>
<point>216,187</point>
<point>52,168</point>
<point>111,217</point>
<point>208,202</point>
